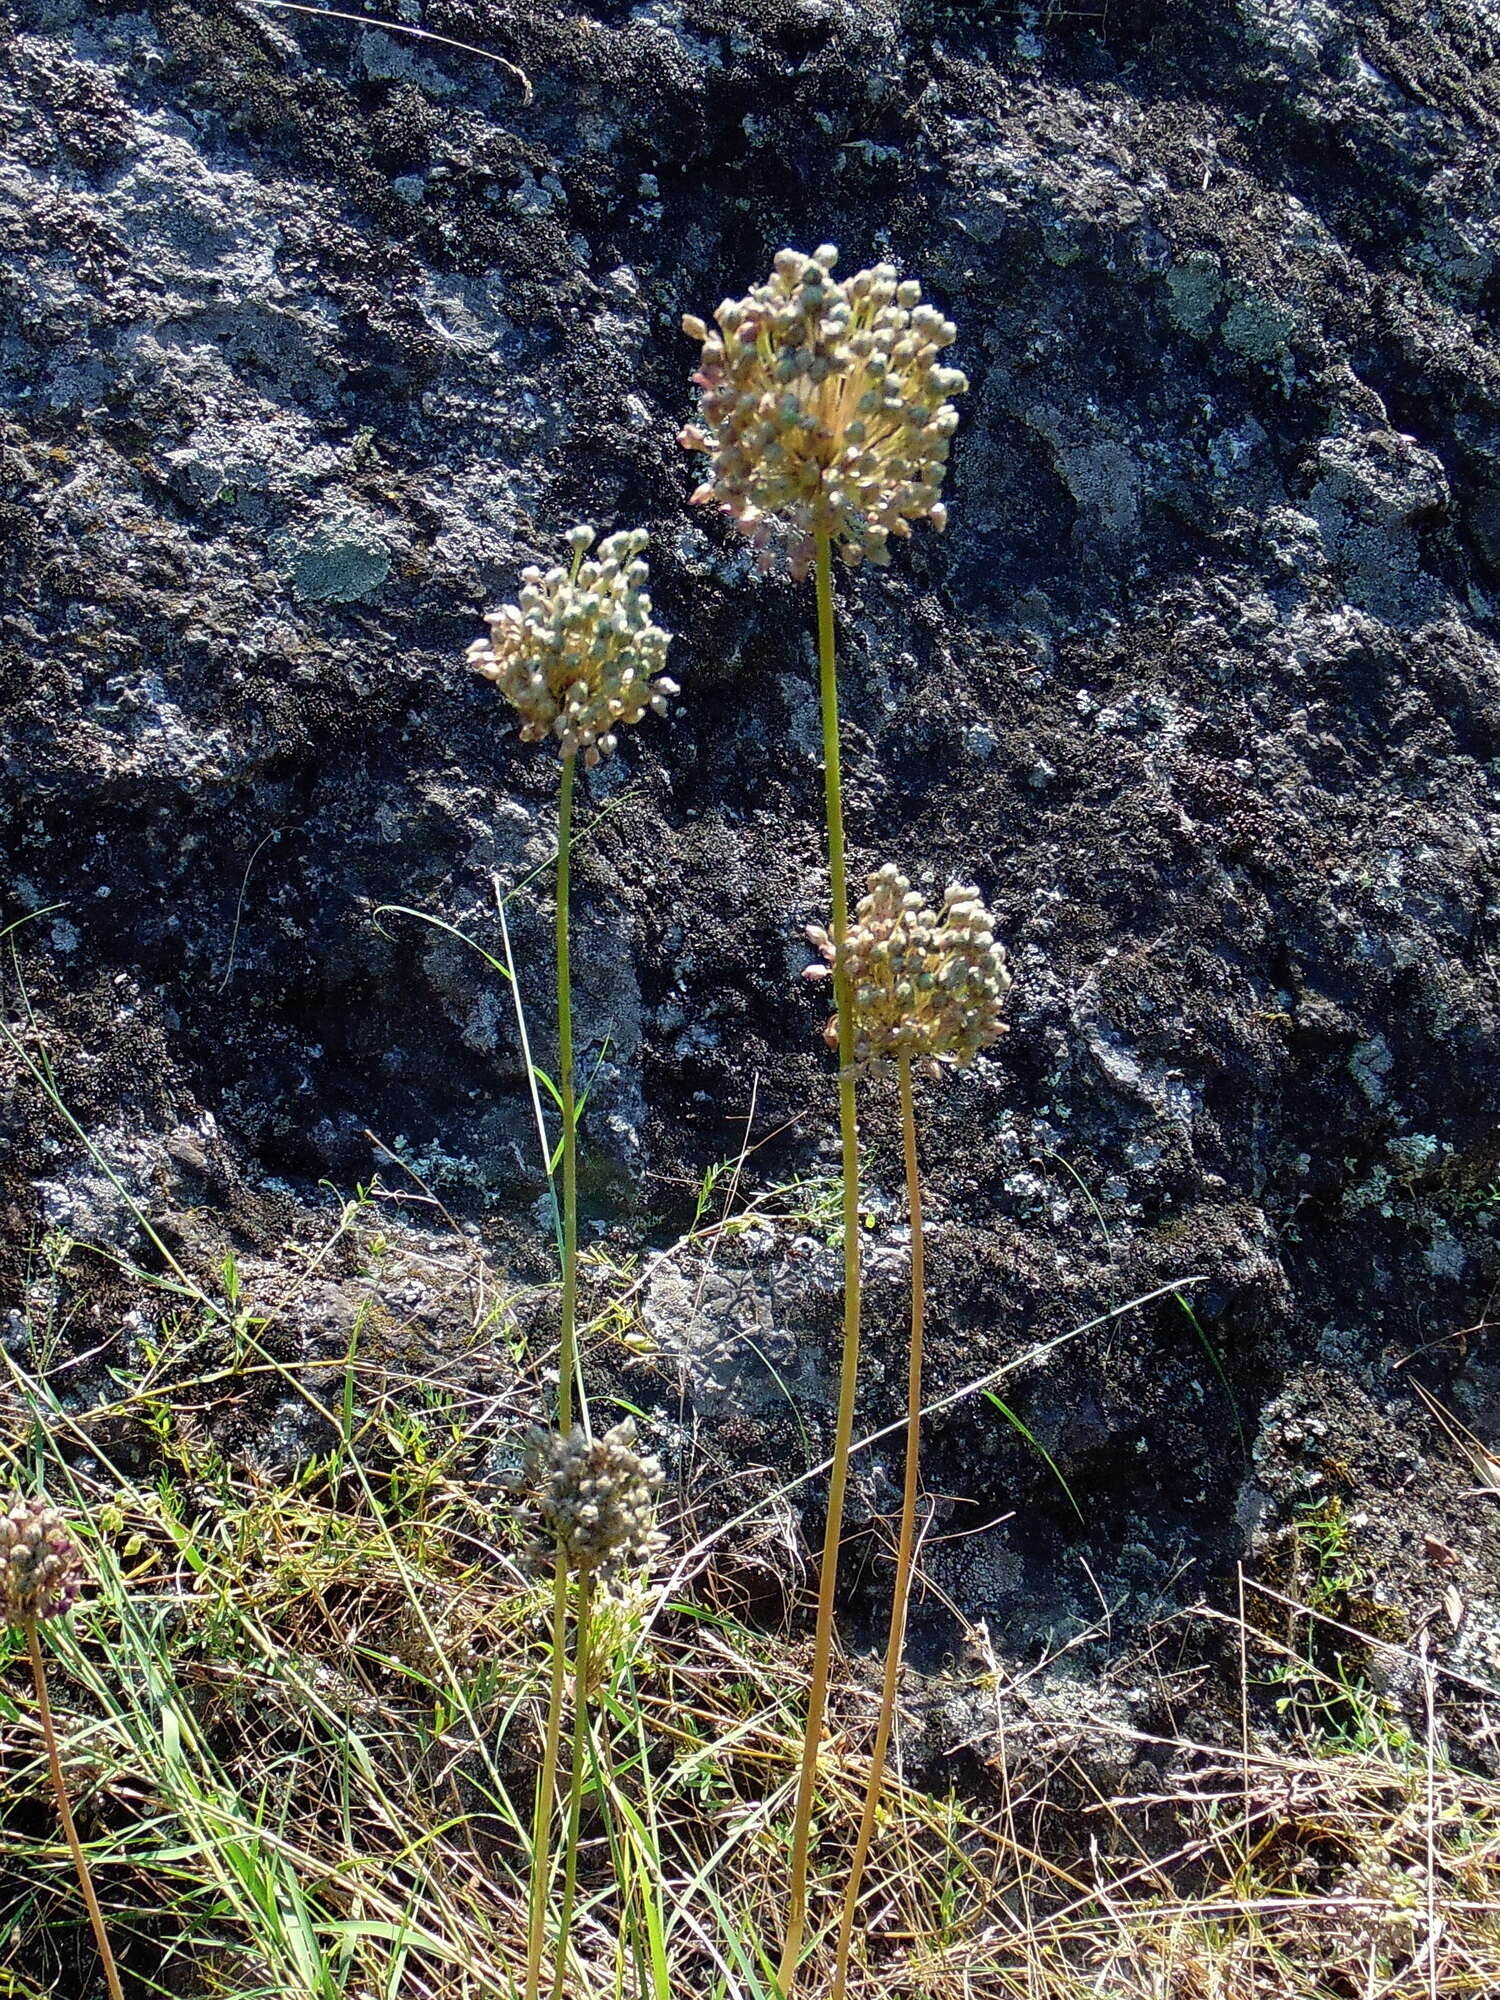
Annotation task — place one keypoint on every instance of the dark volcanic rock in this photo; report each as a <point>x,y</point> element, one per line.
<point>314,334</point>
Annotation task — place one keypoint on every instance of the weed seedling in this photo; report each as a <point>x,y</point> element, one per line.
<point>826,421</point>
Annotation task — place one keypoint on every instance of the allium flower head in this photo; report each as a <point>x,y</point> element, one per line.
<point>596,1496</point>
<point>579,654</point>
<point>824,406</point>
<point>40,1570</point>
<point>925,983</point>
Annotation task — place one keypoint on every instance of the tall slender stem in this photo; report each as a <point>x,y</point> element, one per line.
<point>575,1782</point>
<point>567,1354</point>
<point>905,1542</point>
<point>541,1811</point>
<point>817,1698</point>
<point>567,1367</point>
<point>65,1813</point>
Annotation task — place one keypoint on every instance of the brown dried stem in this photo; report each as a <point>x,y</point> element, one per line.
<point>65,1811</point>
<point>906,1540</point>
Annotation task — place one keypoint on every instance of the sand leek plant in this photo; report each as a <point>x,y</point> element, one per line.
<point>826,420</point>
<point>578,658</point>
<point>595,1502</point>
<point>40,1574</point>
<point>927,987</point>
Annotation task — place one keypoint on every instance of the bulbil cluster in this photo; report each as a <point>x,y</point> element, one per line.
<point>579,654</point>
<point>924,983</point>
<point>825,407</point>
<point>40,1568</point>
<point>596,1497</point>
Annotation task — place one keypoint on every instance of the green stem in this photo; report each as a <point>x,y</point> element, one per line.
<point>905,1543</point>
<point>541,1812</point>
<point>575,1782</point>
<point>817,1699</point>
<point>567,1354</point>
<point>567,1368</point>
<point>65,1813</point>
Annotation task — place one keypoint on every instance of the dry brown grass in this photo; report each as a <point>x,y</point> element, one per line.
<point>303,1721</point>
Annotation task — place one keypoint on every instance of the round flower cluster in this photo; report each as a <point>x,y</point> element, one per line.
<point>1388,1903</point>
<point>596,1496</point>
<point>579,654</point>
<point>924,983</point>
<point>824,404</point>
<point>438,1646</point>
<point>40,1571</point>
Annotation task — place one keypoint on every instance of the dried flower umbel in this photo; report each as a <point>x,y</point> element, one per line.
<point>579,655</point>
<point>40,1570</point>
<point>926,984</point>
<point>596,1497</point>
<point>825,409</point>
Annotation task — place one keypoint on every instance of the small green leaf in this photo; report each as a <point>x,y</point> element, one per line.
<point>1036,1445</point>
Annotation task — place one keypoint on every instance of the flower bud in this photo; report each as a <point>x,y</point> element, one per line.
<point>595,1498</point>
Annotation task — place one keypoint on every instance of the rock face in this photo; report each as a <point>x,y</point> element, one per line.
<point>315,333</point>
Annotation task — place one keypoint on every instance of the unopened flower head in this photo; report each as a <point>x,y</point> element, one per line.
<point>924,983</point>
<point>825,409</point>
<point>40,1570</point>
<point>579,654</point>
<point>596,1496</point>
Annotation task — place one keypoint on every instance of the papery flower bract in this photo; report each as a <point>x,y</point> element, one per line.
<point>40,1568</point>
<point>825,409</point>
<point>924,983</point>
<point>579,654</point>
<point>595,1497</point>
